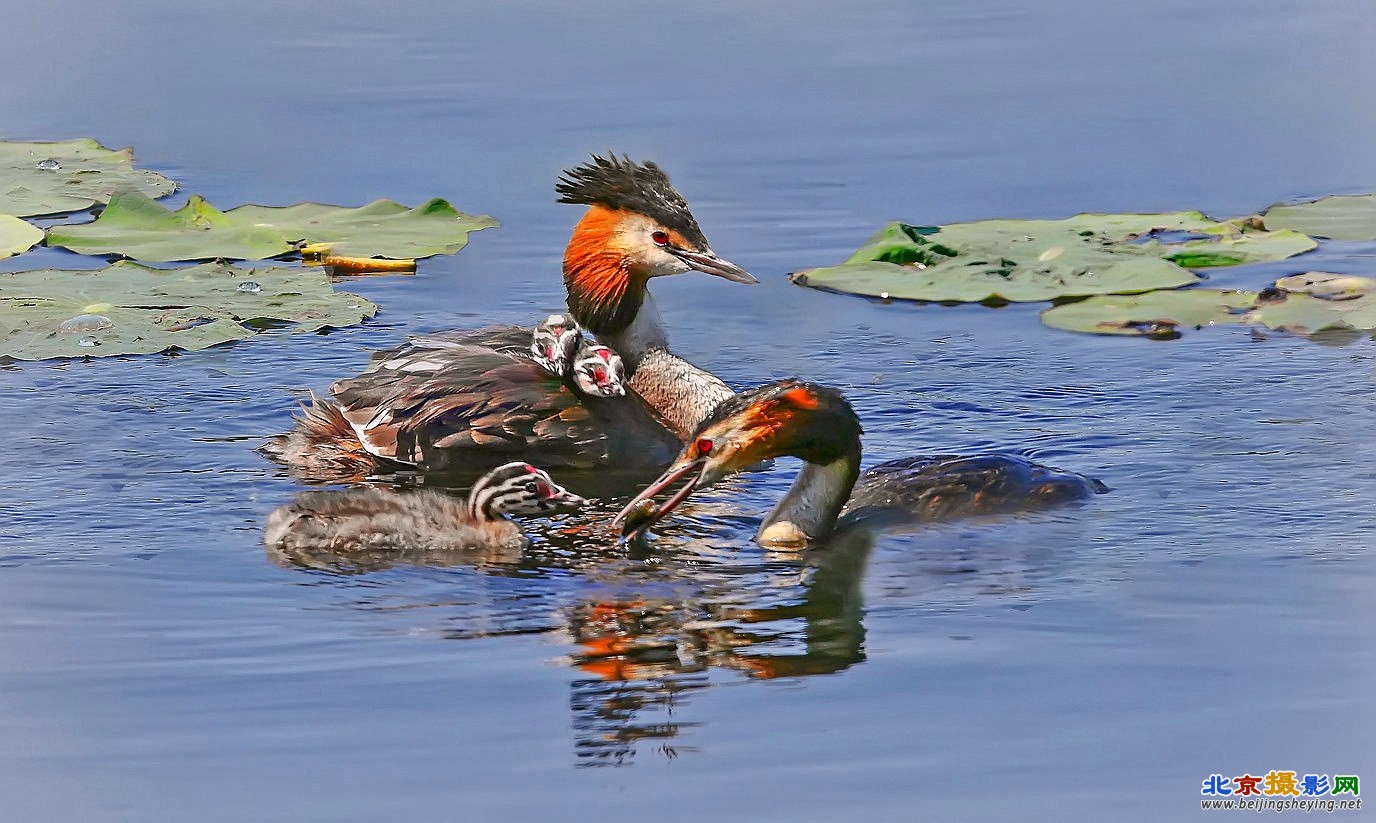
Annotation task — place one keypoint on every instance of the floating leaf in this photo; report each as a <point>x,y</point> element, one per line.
<point>380,229</point>
<point>1030,260</point>
<point>1303,304</point>
<point>51,178</point>
<point>1307,314</point>
<point>127,308</point>
<point>1328,286</point>
<point>1159,315</point>
<point>17,236</point>
<point>1233,244</point>
<point>134,226</point>
<point>1342,217</point>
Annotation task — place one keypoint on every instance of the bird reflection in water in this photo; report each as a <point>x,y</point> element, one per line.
<point>661,620</point>
<point>648,655</point>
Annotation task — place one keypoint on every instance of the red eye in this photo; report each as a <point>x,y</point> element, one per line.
<point>660,238</point>
<point>704,447</point>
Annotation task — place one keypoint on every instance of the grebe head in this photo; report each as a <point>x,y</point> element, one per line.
<point>554,342</point>
<point>638,226</point>
<point>518,489</point>
<point>786,418</point>
<point>599,371</point>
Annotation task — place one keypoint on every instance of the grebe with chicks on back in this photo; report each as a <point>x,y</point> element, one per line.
<point>467,398</point>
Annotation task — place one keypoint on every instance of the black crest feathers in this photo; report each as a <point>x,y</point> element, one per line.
<point>621,183</point>
<point>811,421</point>
<point>823,402</point>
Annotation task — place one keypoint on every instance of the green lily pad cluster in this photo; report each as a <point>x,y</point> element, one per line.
<point>1035,260</point>
<point>135,226</point>
<point>1341,217</point>
<point>55,178</point>
<point>1121,273</point>
<point>127,308</point>
<point>52,178</point>
<point>1308,304</point>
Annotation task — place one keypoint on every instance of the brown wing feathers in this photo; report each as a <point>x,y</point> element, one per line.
<point>457,392</point>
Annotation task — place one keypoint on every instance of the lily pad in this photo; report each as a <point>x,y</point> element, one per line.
<point>51,178</point>
<point>127,308</point>
<point>1305,304</point>
<point>135,226</point>
<point>1160,315</point>
<point>1342,217</point>
<point>17,236</point>
<point>1233,244</point>
<point>1031,260</point>
<point>1307,314</point>
<point>1328,286</point>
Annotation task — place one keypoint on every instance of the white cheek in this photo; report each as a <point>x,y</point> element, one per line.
<point>662,263</point>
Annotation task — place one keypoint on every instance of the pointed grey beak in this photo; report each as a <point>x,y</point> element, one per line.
<point>706,261</point>
<point>695,470</point>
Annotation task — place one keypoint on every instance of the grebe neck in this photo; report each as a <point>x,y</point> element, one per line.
<point>682,394</point>
<point>808,510</point>
<point>644,334</point>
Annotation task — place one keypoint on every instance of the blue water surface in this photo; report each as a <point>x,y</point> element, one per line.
<point>1213,614</point>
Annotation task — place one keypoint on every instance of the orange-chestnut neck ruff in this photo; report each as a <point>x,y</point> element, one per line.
<point>605,292</point>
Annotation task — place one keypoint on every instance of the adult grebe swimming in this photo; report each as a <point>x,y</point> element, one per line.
<point>817,424</point>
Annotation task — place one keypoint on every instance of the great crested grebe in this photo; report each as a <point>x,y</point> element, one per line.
<point>425,520</point>
<point>815,423</point>
<point>464,398</point>
<point>637,227</point>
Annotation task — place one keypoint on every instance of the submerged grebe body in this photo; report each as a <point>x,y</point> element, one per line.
<point>816,424</point>
<point>477,397</point>
<point>366,519</point>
